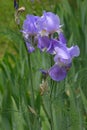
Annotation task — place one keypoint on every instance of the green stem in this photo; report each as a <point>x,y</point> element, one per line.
<point>51,92</point>
<point>30,78</point>
<point>51,121</point>
<point>31,81</point>
<point>47,115</point>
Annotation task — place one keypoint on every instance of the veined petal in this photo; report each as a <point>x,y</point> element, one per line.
<point>57,73</point>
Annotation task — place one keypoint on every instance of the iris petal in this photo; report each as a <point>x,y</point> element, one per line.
<point>29,24</point>
<point>43,42</point>
<point>53,43</point>
<point>57,73</point>
<point>61,52</point>
<point>62,39</point>
<point>49,22</point>
<point>74,51</point>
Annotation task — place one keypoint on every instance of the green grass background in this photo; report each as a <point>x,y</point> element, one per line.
<point>64,104</point>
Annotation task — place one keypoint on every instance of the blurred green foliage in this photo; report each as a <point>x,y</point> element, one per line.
<point>63,106</point>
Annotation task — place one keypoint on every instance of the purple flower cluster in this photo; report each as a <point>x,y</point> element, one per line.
<point>46,34</point>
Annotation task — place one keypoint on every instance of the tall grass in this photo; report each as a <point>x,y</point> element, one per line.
<point>62,105</point>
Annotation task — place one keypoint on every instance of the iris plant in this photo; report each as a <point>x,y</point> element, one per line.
<point>40,31</point>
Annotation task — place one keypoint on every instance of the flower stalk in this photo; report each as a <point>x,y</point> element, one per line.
<point>51,123</point>
<point>31,81</point>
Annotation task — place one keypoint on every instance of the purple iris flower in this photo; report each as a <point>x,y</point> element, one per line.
<point>48,22</point>
<point>63,60</point>
<point>46,33</point>
<point>62,55</point>
<point>29,25</point>
<point>65,54</point>
<point>30,31</point>
<point>47,44</point>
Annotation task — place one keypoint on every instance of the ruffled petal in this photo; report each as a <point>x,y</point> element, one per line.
<point>74,51</point>
<point>29,24</point>
<point>49,22</point>
<point>61,52</point>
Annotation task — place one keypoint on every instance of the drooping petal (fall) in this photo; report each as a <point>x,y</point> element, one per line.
<point>43,43</point>
<point>57,73</point>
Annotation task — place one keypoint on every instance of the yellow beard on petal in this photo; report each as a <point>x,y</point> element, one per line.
<point>44,33</point>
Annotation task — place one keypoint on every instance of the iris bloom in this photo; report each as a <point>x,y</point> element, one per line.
<point>41,27</point>
<point>48,23</point>
<point>63,60</point>
<point>30,31</point>
<point>42,31</point>
<point>29,25</point>
<point>48,43</point>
